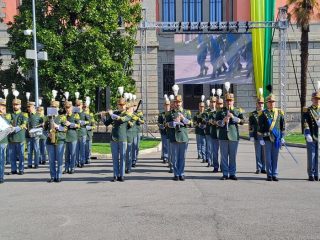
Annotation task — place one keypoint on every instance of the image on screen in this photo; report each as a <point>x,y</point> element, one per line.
<point>213,58</point>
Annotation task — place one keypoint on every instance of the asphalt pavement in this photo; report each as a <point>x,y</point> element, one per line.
<point>150,205</point>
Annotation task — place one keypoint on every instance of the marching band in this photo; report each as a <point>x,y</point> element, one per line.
<point>66,136</point>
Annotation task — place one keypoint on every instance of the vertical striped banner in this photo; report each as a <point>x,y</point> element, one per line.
<point>269,16</point>
<point>258,42</point>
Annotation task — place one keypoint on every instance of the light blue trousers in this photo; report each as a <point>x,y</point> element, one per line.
<point>16,150</point>
<point>33,148</point>
<point>179,151</point>
<point>55,153</point>
<point>119,150</point>
<point>313,163</point>
<point>228,152</point>
<point>272,154</point>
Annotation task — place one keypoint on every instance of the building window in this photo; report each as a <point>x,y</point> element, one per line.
<point>192,10</point>
<point>216,10</point>
<point>192,96</point>
<point>168,78</point>
<point>168,10</point>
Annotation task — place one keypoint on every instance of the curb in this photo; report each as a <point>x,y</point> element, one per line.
<point>297,145</point>
<point>145,151</point>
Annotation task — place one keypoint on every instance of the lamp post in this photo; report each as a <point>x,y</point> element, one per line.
<point>33,54</point>
<point>34,31</point>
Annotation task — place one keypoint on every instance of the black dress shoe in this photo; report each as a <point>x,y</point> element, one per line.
<point>224,177</point>
<point>51,180</point>
<point>208,165</point>
<point>65,171</point>
<point>78,165</point>
<point>21,173</point>
<point>269,179</point>
<point>311,178</point>
<point>264,171</point>
<point>71,172</point>
<point>275,179</point>
<point>36,167</point>
<point>257,171</point>
<point>29,166</point>
<point>215,170</point>
<point>203,161</point>
<point>14,172</point>
<point>199,157</point>
<point>58,180</point>
<point>170,171</point>
<point>316,178</point>
<point>175,178</point>
<point>121,179</point>
<point>233,177</point>
<point>114,179</point>
<point>182,178</point>
<point>133,165</point>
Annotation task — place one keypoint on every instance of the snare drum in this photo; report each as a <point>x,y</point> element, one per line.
<point>36,132</point>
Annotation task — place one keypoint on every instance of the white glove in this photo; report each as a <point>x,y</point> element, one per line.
<point>262,142</point>
<point>309,138</point>
<point>318,123</point>
<point>251,139</point>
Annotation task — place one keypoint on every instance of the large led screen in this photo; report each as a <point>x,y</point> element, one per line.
<point>213,58</point>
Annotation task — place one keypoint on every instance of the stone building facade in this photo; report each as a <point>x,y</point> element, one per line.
<point>160,61</point>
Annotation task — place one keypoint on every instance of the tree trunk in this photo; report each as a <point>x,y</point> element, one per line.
<point>304,68</point>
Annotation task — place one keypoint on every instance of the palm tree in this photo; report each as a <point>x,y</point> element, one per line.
<point>302,12</point>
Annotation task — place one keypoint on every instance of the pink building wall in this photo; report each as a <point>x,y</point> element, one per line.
<point>10,9</point>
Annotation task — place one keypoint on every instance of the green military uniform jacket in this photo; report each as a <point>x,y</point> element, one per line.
<point>253,124</point>
<point>119,126</point>
<point>213,129</point>
<point>179,133</point>
<point>44,120</point>
<point>132,131</point>
<point>139,121</point>
<point>60,134</point>
<point>232,132</point>
<point>199,122</point>
<point>162,123</point>
<point>72,130</point>
<point>310,116</point>
<point>82,131</point>
<point>18,119</point>
<point>34,121</point>
<point>6,117</point>
<point>90,125</point>
<point>167,117</point>
<point>278,122</point>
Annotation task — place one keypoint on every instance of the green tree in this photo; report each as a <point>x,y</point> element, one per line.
<point>85,48</point>
<point>303,11</point>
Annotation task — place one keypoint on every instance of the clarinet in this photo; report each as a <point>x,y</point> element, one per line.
<point>227,124</point>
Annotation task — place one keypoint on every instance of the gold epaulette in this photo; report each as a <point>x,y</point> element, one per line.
<point>77,116</point>
<point>25,115</point>
<point>241,110</point>
<point>63,118</point>
<point>305,109</point>
<point>281,111</point>
<point>8,116</point>
<point>260,112</point>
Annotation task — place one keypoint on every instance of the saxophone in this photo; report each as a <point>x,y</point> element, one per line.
<point>53,131</point>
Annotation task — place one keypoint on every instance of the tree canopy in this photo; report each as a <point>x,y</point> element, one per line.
<point>85,48</point>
